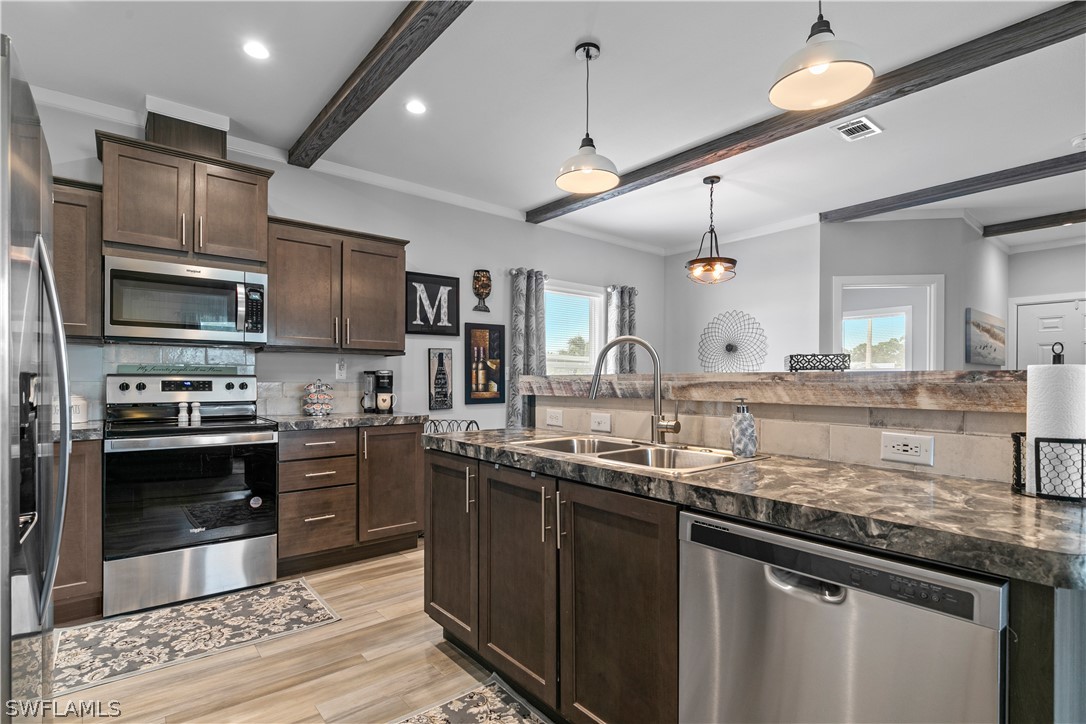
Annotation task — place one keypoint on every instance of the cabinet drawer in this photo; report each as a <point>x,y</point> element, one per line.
<point>316,520</point>
<point>306,444</point>
<point>317,473</point>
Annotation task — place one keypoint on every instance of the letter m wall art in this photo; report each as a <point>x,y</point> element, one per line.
<point>433,304</point>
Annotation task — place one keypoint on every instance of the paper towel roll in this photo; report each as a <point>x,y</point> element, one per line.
<point>1055,407</point>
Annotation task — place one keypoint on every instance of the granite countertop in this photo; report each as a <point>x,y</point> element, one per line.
<point>343,419</point>
<point>91,430</point>
<point>969,523</point>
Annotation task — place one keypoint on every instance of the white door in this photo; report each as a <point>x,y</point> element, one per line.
<point>1042,325</point>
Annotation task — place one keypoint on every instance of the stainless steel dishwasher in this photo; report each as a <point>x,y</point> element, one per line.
<point>774,628</point>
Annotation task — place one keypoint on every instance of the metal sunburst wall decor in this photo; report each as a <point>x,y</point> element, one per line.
<point>733,341</point>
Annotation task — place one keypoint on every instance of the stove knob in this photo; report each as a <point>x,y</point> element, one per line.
<point>243,386</point>
<point>229,385</point>
<point>140,386</point>
<point>124,387</point>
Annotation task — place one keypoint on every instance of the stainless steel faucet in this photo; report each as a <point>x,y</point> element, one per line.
<point>659,425</point>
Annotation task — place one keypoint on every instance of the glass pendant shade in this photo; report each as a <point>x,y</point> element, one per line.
<point>587,172</point>
<point>710,269</point>
<point>825,72</point>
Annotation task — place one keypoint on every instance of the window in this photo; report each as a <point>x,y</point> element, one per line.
<point>878,339</point>
<point>575,327</point>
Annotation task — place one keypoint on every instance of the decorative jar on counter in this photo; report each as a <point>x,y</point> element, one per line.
<point>316,398</point>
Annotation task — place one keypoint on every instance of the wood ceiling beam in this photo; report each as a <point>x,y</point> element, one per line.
<point>1048,28</point>
<point>419,25</point>
<point>1037,222</point>
<point>985,182</point>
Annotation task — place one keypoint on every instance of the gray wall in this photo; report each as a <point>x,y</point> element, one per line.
<point>445,239</point>
<point>975,270</point>
<point>1052,271</point>
<point>776,282</point>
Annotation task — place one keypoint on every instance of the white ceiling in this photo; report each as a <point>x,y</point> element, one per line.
<point>506,99</point>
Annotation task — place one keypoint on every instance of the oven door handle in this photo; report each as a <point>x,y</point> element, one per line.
<point>241,307</point>
<point>176,442</point>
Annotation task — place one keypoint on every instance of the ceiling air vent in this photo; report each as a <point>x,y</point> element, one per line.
<point>857,128</point>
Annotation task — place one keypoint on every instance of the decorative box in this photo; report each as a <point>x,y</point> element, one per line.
<point>817,362</point>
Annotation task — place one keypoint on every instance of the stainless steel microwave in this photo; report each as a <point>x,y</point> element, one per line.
<point>162,300</point>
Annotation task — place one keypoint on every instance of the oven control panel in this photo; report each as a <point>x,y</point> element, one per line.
<point>134,389</point>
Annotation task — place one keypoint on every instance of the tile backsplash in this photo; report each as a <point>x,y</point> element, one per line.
<point>967,444</point>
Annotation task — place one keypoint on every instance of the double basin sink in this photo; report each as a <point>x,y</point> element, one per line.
<point>670,458</point>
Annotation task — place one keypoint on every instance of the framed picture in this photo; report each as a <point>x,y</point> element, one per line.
<point>484,363</point>
<point>985,338</point>
<point>440,376</point>
<point>433,304</point>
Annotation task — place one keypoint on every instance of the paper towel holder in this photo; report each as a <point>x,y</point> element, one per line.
<point>1057,354</point>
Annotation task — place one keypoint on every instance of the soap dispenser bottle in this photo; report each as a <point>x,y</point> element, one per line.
<point>744,435</point>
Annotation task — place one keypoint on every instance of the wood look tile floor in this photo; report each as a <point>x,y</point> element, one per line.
<point>383,660</point>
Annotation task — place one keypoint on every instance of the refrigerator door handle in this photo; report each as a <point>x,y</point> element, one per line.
<point>61,349</point>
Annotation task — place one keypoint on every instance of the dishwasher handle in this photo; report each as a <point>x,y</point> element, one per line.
<point>788,581</point>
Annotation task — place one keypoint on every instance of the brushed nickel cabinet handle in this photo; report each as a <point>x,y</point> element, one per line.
<point>337,330</point>
<point>200,226</point>
<point>317,475</point>
<point>182,229</point>
<point>543,527</point>
<point>326,442</point>
<point>558,517</point>
<point>365,445</point>
<point>320,517</point>
<point>467,490</point>
<point>347,337</point>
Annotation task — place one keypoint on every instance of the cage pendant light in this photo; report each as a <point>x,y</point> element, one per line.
<point>587,172</point>
<point>825,72</point>
<point>714,267</point>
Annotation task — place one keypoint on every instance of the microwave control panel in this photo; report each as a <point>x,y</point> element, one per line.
<point>254,309</point>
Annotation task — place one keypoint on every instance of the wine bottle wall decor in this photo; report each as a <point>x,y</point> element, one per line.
<point>484,360</point>
<point>441,379</point>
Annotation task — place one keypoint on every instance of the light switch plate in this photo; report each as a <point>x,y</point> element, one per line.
<point>601,422</point>
<point>902,448</point>
<point>554,417</point>
<point>341,369</point>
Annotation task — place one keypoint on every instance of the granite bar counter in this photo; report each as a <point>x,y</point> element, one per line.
<point>973,524</point>
<point>343,419</point>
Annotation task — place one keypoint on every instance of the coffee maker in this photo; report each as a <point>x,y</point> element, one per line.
<point>369,391</point>
<point>384,398</point>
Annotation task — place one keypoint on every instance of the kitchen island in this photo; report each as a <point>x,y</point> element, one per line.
<point>1039,545</point>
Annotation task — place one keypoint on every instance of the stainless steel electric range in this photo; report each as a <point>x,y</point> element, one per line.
<point>188,499</point>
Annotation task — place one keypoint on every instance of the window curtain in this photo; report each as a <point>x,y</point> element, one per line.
<point>621,320</point>
<point>528,340</point>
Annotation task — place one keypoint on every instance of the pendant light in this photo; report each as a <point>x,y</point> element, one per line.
<point>713,268</point>
<point>587,172</point>
<point>825,72</point>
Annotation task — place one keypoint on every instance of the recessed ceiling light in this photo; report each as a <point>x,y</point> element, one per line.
<point>415,106</point>
<point>256,49</point>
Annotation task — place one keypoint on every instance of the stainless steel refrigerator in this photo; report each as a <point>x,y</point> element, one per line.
<point>33,372</point>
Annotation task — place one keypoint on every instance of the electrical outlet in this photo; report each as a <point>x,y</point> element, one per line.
<point>554,417</point>
<point>601,422</point>
<point>902,448</point>
<point>341,369</point>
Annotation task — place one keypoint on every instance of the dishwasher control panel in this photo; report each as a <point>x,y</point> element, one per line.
<point>912,590</point>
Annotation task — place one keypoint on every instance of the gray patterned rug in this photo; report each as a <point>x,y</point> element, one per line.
<point>115,648</point>
<point>488,703</point>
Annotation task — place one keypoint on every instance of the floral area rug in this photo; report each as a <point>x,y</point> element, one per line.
<point>115,648</point>
<point>489,702</point>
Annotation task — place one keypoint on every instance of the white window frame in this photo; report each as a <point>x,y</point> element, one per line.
<point>886,312</point>
<point>597,311</point>
<point>934,285</point>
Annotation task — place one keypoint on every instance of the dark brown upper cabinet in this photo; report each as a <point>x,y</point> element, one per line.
<point>163,198</point>
<point>77,255</point>
<point>335,289</point>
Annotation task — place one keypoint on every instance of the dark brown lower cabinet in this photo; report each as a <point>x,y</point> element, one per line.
<point>518,578</point>
<point>78,591</point>
<point>620,607</point>
<point>451,556</point>
<point>575,594</point>
<point>389,481</point>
